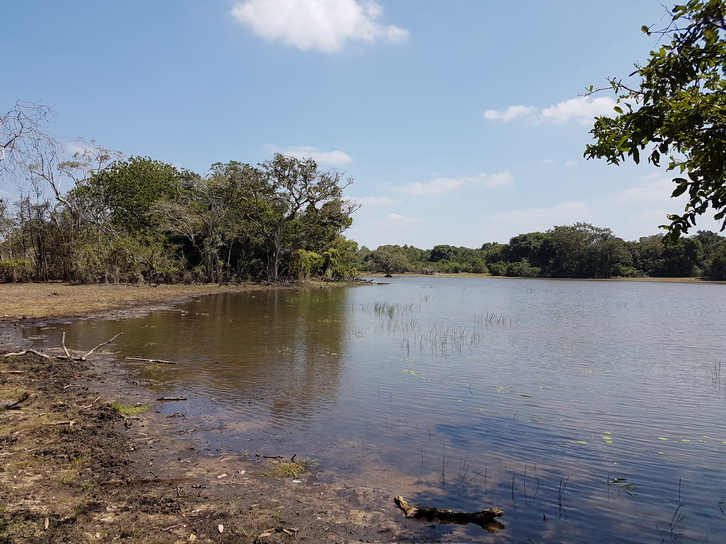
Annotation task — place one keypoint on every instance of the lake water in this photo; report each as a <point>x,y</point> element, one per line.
<point>590,411</point>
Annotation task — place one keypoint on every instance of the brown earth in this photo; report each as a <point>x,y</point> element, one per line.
<point>83,460</point>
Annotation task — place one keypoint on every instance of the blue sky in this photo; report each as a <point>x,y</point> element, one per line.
<point>461,121</point>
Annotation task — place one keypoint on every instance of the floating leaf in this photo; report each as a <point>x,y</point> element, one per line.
<point>580,442</point>
<point>662,438</point>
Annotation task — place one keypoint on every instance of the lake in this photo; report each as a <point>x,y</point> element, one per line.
<point>587,410</point>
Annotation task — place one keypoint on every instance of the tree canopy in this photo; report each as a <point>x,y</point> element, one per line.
<point>677,111</point>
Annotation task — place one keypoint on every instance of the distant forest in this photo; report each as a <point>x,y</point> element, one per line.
<point>575,251</point>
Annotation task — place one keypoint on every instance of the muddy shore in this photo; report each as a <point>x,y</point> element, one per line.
<point>84,456</point>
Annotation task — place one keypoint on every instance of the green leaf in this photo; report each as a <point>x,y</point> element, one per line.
<point>682,186</point>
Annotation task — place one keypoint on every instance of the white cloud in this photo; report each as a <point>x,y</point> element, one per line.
<point>442,185</point>
<point>373,201</point>
<point>498,179</point>
<point>654,189</point>
<point>323,25</point>
<point>512,112</point>
<point>582,109</point>
<point>307,152</point>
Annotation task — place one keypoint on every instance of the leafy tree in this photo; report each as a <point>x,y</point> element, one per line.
<point>532,247</point>
<point>126,190</point>
<point>288,204</point>
<point>677,109</point>
<point>389,259</point>
<point>584,251</point>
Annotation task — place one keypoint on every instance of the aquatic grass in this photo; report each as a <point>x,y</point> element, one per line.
<point>390,309</point>
<point>289,469</point>
<point>676,519</point>
<point>621,485</point>
<point>494,319</point>
<point>440,339</point>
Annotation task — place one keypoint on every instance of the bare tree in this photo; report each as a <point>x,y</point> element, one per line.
<point>22,135</point>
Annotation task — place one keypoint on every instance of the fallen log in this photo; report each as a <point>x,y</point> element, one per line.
<point>485,518</point>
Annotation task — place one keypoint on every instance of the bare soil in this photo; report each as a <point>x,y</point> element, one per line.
<point>79,464</point>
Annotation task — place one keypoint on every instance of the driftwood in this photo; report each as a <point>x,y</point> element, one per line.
<point>171,398</point>
<point>26,351</point>
<point>486,518</point>
<point>100,345</point>
<point>65,349</point>
<point>67,356</point>
<point>142,359</point>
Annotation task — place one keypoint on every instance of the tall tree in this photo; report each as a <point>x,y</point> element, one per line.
<point>289,204</point>
<point>677,109</point>
<point>127,189</point>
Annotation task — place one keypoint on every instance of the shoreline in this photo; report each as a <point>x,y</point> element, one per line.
<point>86,458</point>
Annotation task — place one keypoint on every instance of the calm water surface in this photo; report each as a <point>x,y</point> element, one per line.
<point>589,411</point>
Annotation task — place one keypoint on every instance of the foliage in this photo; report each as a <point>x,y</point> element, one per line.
<point>127,189</point>
<point>677,110</point>
<point>565,251</point>
<point>15,271</point>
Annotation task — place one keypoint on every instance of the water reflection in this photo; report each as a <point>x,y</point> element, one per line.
<point>277,351</point>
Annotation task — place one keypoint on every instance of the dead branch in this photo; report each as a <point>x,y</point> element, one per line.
<point>278,457</point>
<point>142,359</point>
<point>485,518</point>
<point>65,349</point>
<point>26,351</point>
<point>100,345</point>
<point>171,398</point>
<point>69,422</point>
<point>87,406</point>
<point>14,405</point>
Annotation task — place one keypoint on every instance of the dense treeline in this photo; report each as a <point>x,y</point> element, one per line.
<point>138,219</point>
<point>576,251</point>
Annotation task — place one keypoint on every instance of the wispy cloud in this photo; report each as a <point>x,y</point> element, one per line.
<point>655,188</point>
<point>512,112</point>
<point>581,109</point>
<point>403,220</point>
<point>442,185</point>
<point>373,201</point>
<point>307,152</point>
<point>323,25</point>
<point>540,219</point>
